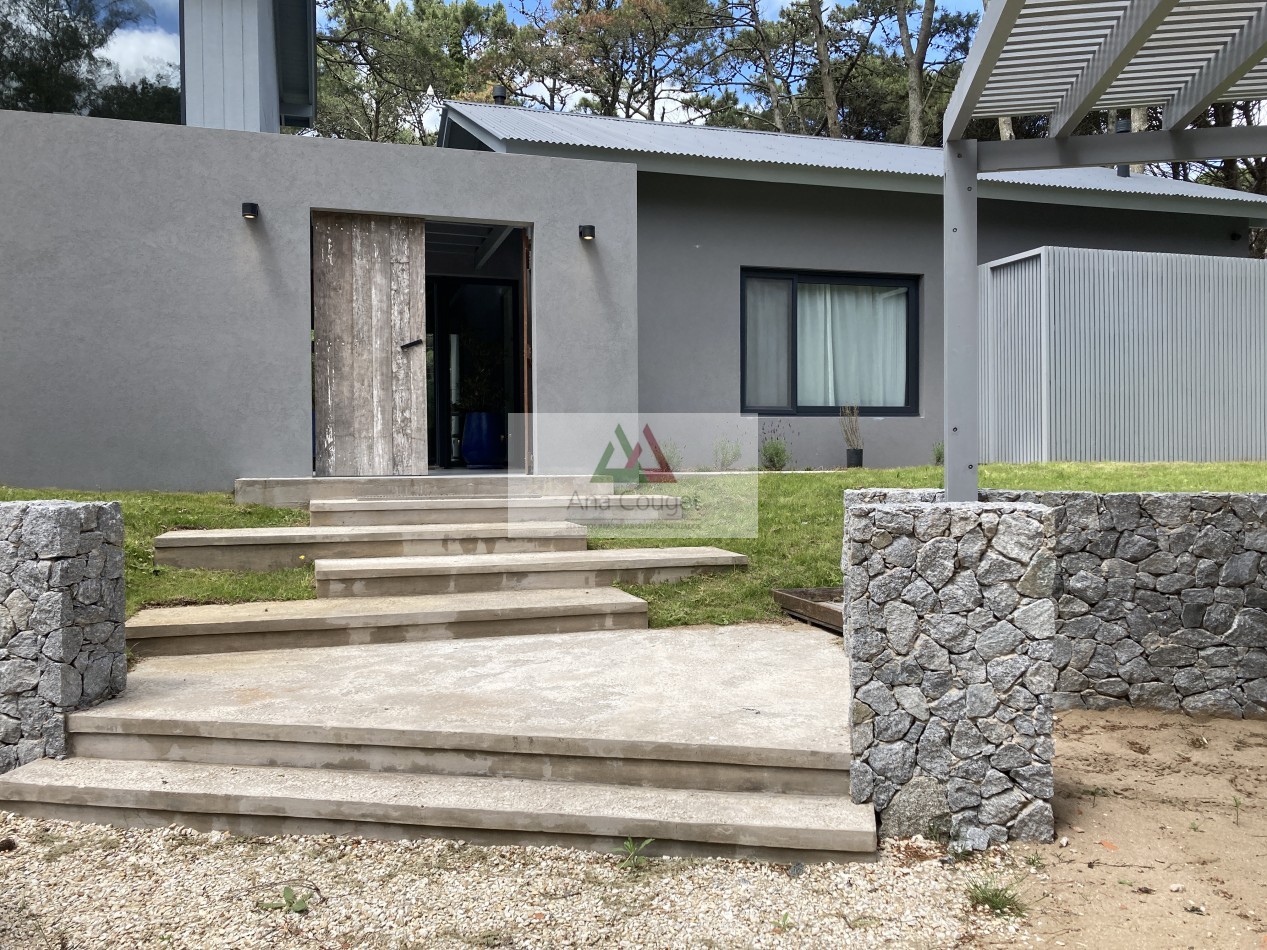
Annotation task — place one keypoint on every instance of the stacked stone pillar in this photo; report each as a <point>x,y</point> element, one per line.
<point>950,623</point>
<point>61,620</point>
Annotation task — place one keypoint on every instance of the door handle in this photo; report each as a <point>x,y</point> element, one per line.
<point>412,343</point>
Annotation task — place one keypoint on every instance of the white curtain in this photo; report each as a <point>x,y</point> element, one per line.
<point>767,310</point>
<point>851,345</point>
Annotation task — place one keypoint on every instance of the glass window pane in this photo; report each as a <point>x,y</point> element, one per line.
<point>767,310</point>
<point>851,345</point>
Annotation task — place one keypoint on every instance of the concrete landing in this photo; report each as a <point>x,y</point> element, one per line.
<point>577,508</point>
<point>776,694</point>
<point>272,800</point>
<point>270,549</point>
<point>359,577</point>
<point>279,625</point>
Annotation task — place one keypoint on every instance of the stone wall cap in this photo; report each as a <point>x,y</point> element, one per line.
<point>983,506</point>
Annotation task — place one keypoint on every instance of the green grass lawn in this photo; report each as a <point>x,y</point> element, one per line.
<point>798,544</point>
<point>146,514</point>
<point>801,517</point>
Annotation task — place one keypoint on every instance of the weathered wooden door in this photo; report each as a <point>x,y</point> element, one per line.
<point>369,344</point>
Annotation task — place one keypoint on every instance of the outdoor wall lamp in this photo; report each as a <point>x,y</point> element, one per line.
<point>587,232</point>
<point>250,210</point>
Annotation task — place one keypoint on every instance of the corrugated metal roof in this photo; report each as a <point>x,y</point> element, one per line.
<point>580,130</point>
<point>512,124</point>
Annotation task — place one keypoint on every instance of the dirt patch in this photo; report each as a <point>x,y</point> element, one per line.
<point>1165,819</point>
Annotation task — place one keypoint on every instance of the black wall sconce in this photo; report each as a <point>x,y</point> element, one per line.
<point>250,210</point>
<point>587,232</point>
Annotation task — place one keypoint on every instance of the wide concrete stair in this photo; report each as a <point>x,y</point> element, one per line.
<point>367,577</point>
<point>270,549</point>
<point>231,628</point>
<point>584,740</point>
<point>480,679</point>
<point>581,509</point>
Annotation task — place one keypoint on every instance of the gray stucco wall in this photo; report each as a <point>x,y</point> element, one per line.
<point>152,338</point>
<point>695,234</point>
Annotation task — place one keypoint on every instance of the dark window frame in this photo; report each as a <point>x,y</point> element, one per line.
<point>911,283</point>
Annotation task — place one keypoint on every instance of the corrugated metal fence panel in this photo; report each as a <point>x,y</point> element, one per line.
<point>1153,357</point>
<point>1013,360</point>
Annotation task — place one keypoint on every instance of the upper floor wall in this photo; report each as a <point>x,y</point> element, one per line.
<point>248,65</point>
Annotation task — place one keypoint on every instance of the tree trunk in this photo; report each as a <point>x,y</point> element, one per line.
<point>1139,123</point>
<point>914,104</point>
<point>1006,132</point>
<point>915,52</point>
<point>830,104</point>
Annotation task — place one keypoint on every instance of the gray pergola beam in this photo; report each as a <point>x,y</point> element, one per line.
<point>1195,145</point>
<point>1126,39</point>
<point>1246,50</point>
<point>961,329</point>
<point>1000,17</point>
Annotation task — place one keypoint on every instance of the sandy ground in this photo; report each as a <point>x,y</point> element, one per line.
<point>1165,819</point>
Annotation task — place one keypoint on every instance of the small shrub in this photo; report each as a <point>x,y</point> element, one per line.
<point>726,453</point>
<point>632,857</point>
<point>939,453</point>
<point>775,455</point>
<point>938,830</point>
<point>1001,900</point>
<point>673,456</point>
<point>291,902</point>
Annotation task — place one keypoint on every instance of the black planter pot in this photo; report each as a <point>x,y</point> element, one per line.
<point>853,458</point>
<point>484,440</point>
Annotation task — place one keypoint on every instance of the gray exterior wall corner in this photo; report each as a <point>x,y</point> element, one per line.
<point>155,339</point>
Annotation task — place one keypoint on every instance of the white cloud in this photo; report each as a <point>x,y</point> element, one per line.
<point>143,52</point>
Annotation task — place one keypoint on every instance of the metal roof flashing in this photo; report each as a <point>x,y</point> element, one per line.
<point>713,152</point>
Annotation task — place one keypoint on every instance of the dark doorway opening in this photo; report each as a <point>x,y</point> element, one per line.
<point>477,346</point>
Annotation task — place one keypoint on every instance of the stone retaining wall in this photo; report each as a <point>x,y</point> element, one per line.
<point>1161,597</point>
<point>950,623</point>
<point>61,620</point>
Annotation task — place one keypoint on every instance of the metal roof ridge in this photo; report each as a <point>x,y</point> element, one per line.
<point>569,116</point>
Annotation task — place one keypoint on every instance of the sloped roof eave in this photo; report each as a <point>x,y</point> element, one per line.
<point>893,177</point>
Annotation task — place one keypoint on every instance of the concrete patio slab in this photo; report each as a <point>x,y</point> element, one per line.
<point>772,695</point>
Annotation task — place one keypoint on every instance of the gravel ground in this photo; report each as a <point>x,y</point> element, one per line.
<point>68,885</point>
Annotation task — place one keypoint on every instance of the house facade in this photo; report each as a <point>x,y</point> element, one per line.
<point>181,306</point>
<point>740,228</point>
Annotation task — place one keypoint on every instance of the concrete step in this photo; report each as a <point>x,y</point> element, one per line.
<point>359,577</point>
<point>626,708</point>
<point>270,549</point>
<point>580,509</point>
<point>234,628</point>
<point>258,800</point>
<point>299,492</point>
